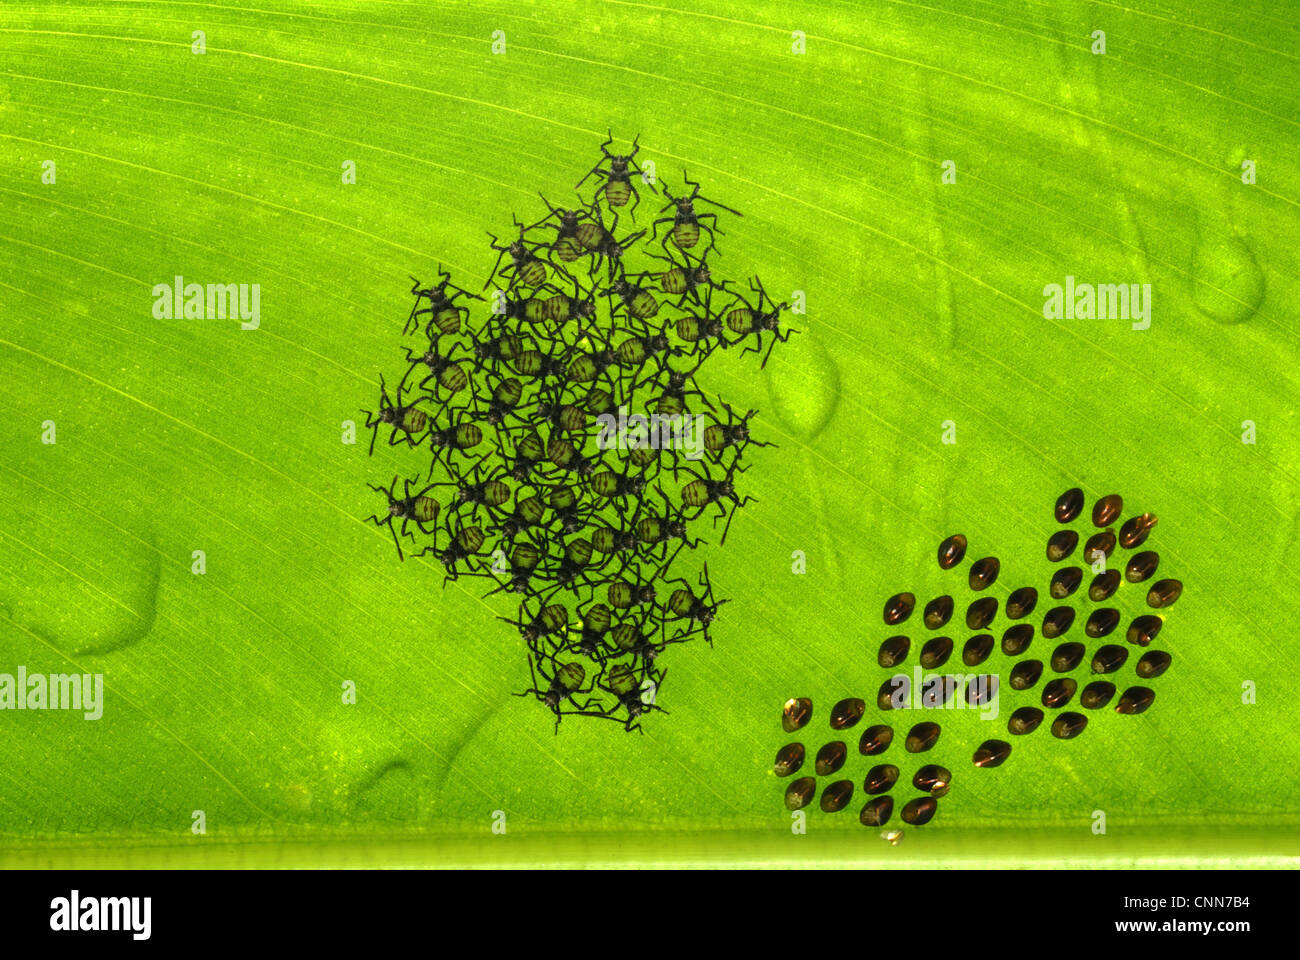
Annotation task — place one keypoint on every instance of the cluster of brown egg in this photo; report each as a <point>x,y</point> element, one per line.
<point>1025,671</point>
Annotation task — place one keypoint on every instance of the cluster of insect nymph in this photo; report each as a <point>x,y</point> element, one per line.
<point>570,448</point>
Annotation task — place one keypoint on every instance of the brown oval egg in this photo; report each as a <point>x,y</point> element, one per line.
<point>1017,639</point>
<point>1024,720</point>
<point>933,779</point>
<point>1069,505</point>
<point>1057,621</point>
<point>876,812</point>
<point>1135,700</point>
<point>1136,529</point>
<point>1061,544</point>
<point>1097,694</point>
<point>981,613</point>
<point>876,739</point>
<point>880,778</point>
<point>936,651</point>
<point>1153,663</point>
<point>1144,629</point>
<point>1021,603</point>
<point>922,737</point>
<point>893,651</point>
<point>1101,622</point>
<point>1107,510</point>
<point>1065,581</point>
<point>937,690</point>
<point>1141,566</point>
<point>981,689</point>
<point>938,612</point>
<point>977,649</point>
<point>847,713</point>
<point>1057,693</point>
<point>920,811</point>
<point>898,608</point>
<point>837,796</point>
<point>795,713</point>
<point>1025,674</point>
<point>830,758</point>
<point>894,692</point>
<point>1068,725</point>
<point>1103,586</point>
<point>1099,546</point>
<point>1164,593</point>
<point>952,551</point>
<point>984,573</point>
<point>788,759</point>
<point>800,793</point>
<point>1067,656</point>
<point>1109,658</point>
<point>991,753</point>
